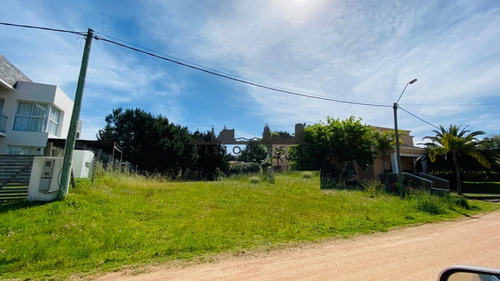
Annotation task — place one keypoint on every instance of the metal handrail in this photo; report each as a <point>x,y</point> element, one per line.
<point>421,179</point>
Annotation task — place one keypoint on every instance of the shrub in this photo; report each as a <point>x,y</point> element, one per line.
<point>307,175</point>
<point>426,202</point>
<point>372,187</point>
<point>243,168</point>
<point>254,179</point>
<point>269,176</point>
<point>460,201</point>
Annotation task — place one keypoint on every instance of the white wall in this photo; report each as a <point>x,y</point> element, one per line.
<point>65,105</point>
<point>82,163</point>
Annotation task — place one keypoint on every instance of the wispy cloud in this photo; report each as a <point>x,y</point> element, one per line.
<point>355,50</point>
<point>360,51</point>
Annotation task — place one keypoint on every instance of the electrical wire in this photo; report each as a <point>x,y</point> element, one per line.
<point>184,61</point>
<point>163,54</point>
<point>452,105</point>
<point>44,28</point>
<point>428,123</point>
<point>239,79</point>
<point>218,73</point>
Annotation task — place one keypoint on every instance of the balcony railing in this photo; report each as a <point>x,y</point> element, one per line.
<point>3,123</point>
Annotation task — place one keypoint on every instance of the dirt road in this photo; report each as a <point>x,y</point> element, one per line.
<point>415,253</point>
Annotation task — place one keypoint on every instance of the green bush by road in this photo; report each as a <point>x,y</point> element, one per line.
<point>120,221</point>
<point>482,187</point>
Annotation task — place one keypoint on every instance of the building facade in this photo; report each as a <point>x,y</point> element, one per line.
<point>30,113</point>
<point>412,158</point>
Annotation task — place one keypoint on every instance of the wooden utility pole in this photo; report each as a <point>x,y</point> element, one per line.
<point>75,116</point>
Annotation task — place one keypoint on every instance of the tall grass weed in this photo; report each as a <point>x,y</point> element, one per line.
<point>124,220</point>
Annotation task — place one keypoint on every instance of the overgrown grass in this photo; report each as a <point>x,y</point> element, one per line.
<point>120,221</point>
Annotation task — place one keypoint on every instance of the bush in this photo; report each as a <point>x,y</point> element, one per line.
<point>426,202</point>
<point>254,179</point>
<point>481,187</point>
<point>372,187</point>
<point>307,175</point>
<point>269,176</point>
<point>460,201</point>
<point>243,168</point>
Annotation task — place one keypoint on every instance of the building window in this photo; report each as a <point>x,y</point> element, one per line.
<point>34,117</point>
<point>53,121</point>
<point>25,150</point>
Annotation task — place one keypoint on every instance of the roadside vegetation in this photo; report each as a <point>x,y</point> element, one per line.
<point>458,155</point>
<point>153,144</point>
<point>121,220</point>
<point>490,187</point>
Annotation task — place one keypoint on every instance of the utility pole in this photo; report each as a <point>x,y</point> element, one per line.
<point>398,154</point>
<point>75,116</point>
<point>396,135</point>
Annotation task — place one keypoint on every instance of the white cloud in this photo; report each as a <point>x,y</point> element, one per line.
<point>360,50</point>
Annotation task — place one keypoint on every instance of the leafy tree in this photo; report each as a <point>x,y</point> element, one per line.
<point>151,142</point>
<point>212,160</point>
<point>457,143</point>
<point>280,134</point>
<point>384,143</point>
<point>254,152</point>
<point>490,148</point>
<point>492,143</point>
<point>334,146</point>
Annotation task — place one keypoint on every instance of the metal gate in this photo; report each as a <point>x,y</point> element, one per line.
<point>15,172</point>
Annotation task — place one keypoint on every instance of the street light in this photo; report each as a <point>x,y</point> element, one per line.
<point>396,134</point>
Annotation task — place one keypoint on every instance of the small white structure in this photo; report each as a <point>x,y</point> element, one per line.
<point>83,161</point>
<point>46,174</point>
<point>44,180</point>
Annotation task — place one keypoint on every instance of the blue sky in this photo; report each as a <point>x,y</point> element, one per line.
<point>363,51</point>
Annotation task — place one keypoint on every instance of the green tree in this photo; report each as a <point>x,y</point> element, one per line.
<point>491,150</point>
<point>492,143</point>
<point>212,160</point>
<point>254,152</point>
<point>456,142</point>
<point>151,142</point>
<point>384,143</point>
<point>333,147</point>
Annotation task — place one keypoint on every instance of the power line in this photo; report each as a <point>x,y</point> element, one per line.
<point>163,54</point>
<point>419,118</point>
<point>452,105</point>
<point>44,28</point>
<point>239,79</point>
<point>208,70</point>
<point>182,60</point>
<point>199,68</point>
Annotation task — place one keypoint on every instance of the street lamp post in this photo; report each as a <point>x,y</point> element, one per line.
<point>396,134</point>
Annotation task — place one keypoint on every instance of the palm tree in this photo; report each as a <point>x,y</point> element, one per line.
<point>457,142</point>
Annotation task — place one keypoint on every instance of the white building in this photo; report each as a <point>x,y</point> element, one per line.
<point>30,113</point>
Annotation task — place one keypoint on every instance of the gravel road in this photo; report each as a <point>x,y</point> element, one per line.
<point>414,253</point>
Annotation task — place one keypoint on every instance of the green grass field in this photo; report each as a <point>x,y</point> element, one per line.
<point>124,221</point>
